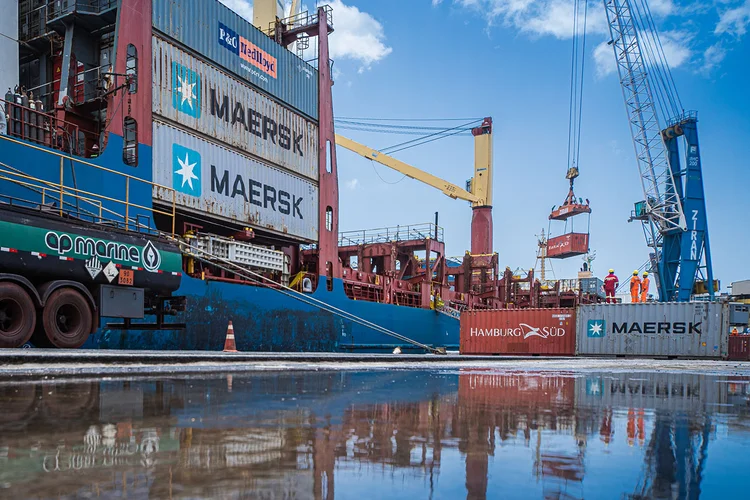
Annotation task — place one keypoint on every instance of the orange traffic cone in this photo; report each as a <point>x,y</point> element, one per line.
<point>229,345</point>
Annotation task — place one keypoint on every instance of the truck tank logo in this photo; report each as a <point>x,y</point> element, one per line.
<point>186,90</point>
<point>93,251</point>
<point>150,257</point>
<point>596,328</point>
<point>186,170</point>
<point>248,52</point>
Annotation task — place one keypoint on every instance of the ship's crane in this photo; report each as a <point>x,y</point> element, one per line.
<point>674,210</point>
<point>480,186</point>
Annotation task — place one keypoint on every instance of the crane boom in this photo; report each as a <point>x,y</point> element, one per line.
<point>448,188</point>
<point>681,254</point>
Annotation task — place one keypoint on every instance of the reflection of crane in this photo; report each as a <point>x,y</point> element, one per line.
<point>672,466</point>
<point>479,191</point>
<point>680,255</point>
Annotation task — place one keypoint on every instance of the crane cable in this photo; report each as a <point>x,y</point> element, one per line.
<point>575,108</point>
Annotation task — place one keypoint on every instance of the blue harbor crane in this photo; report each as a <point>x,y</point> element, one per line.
<point>673,212</point>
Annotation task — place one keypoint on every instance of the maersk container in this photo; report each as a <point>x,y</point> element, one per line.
<point>222,36</point>
<point>212,180</point>
<point>518,331</point>
<point>673,392</point>
<point>199,96</point>
<point>684,329</point>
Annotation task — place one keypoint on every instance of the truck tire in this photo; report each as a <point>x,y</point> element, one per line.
<point>17,315</point>
<point>67,319</point>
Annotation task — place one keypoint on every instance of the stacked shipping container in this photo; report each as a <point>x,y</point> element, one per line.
<point>220,35</point>
<point>211,179</point>
<point>231,151</point>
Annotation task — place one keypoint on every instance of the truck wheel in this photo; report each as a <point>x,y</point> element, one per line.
<point>67,319</point>
<point>17,315</point>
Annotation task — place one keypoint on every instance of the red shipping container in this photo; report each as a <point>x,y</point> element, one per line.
<point>739,347</point>
<point>568,245</point>
<point>519,331</point>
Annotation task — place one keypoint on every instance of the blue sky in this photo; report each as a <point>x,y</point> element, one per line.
<point>510,59</point>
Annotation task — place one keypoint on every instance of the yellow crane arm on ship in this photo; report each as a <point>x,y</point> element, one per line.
<point>446,187</point>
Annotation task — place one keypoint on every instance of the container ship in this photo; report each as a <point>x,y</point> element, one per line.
<point>169,167</point>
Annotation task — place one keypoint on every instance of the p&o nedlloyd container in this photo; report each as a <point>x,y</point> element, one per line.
<point>518,331</point>
<point>685,329</point>
<point>222,36</point>
<point>203,98</point>
<point>221,183</point>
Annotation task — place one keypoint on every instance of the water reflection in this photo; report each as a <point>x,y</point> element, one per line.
<point>388,434</point>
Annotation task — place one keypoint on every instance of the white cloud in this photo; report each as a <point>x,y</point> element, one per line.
<point>712,57</point>
<point>661,7</point>
<point>734,21</point>
<point>676,47</point>
<point>242,7</point>
<point>351,184</point>
<point>539,17</point>
<point>605,60</point>
<point>358,36</point>
<point>674,43</point>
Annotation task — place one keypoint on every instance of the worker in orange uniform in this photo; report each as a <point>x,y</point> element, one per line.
<point>635,287</point>
<point>610,286</point>
<point>644,287</point>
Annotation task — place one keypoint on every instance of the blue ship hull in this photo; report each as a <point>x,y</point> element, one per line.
<point>264,319</point>
<point>267,320</point>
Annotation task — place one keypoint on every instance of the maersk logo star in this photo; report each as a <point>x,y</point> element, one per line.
<point>596,328</point>
<point>186,90</point>
<point>187,170</point>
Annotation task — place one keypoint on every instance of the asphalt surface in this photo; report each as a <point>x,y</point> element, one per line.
<point>25,364</point>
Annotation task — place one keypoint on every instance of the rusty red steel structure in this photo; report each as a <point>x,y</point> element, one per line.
<point>546,332</point>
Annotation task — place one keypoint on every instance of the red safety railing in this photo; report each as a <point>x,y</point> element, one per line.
<point>41,128</point>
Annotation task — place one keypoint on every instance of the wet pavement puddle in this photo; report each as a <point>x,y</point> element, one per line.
<point>395,434</point>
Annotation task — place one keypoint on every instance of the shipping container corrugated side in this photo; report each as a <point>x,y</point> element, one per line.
<point>518,331</point>
<point>199,96</point>
<point>213,180</point>
<point>672,392</point>
<point>567,245</point>
<point>739,348</point>
<point>222,36</point>
<point>689,329</point>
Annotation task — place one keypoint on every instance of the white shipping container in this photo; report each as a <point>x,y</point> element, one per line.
<point>688,329</point>
<point>212,179</point>
<point>203,98</point>
<point>741,288</point>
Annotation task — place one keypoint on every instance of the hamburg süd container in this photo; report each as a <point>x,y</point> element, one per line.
<point>222,36</point>
<point>684,329</point>
<point>518,331</point>
<point>199,96</point>
<point>211,179</point>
